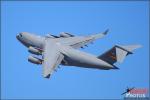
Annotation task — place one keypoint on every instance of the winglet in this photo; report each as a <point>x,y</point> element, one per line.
<point>106,32</point>
<point>99,35</point>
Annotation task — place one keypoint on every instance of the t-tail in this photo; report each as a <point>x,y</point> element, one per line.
<point>118,53</point>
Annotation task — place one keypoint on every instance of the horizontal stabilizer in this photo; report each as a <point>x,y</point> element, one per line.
<point>123,51</point>
<point>118,53</point>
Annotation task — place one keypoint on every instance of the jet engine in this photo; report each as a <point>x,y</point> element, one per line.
<point>63,34</point>
<point>34,60</point>
<point>34,51</point>
<point>51,36</point>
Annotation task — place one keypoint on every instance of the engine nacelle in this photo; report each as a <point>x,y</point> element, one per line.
<point>49,36</point>
<point>34,51</point>
<point>34,60</point>
<point>63,34</point>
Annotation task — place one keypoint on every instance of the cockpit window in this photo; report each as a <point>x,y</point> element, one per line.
<point>20,35</point>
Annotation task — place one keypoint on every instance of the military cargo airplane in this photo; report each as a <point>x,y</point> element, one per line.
<point>63,49</point>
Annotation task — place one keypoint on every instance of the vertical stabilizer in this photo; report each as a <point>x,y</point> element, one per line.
<point>118,53</point>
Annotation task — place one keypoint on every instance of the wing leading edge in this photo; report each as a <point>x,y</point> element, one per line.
<point>86,40</point>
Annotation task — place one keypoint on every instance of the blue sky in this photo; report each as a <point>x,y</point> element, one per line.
<point>127,22</point>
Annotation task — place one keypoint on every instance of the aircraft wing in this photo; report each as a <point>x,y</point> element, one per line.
<point>51,58</point>
<point>80,42</point>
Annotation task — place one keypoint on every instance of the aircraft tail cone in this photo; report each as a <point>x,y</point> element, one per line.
<point>114,67</point>
<point>48,76</point>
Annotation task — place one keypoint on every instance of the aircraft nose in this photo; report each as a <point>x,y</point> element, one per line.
<point>17,36</point>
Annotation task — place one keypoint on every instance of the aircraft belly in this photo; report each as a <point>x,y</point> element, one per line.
<point>81,59</point>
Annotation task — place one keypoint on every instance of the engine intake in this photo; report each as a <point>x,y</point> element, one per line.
<point>34,60</point>
<point>34,51</point>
